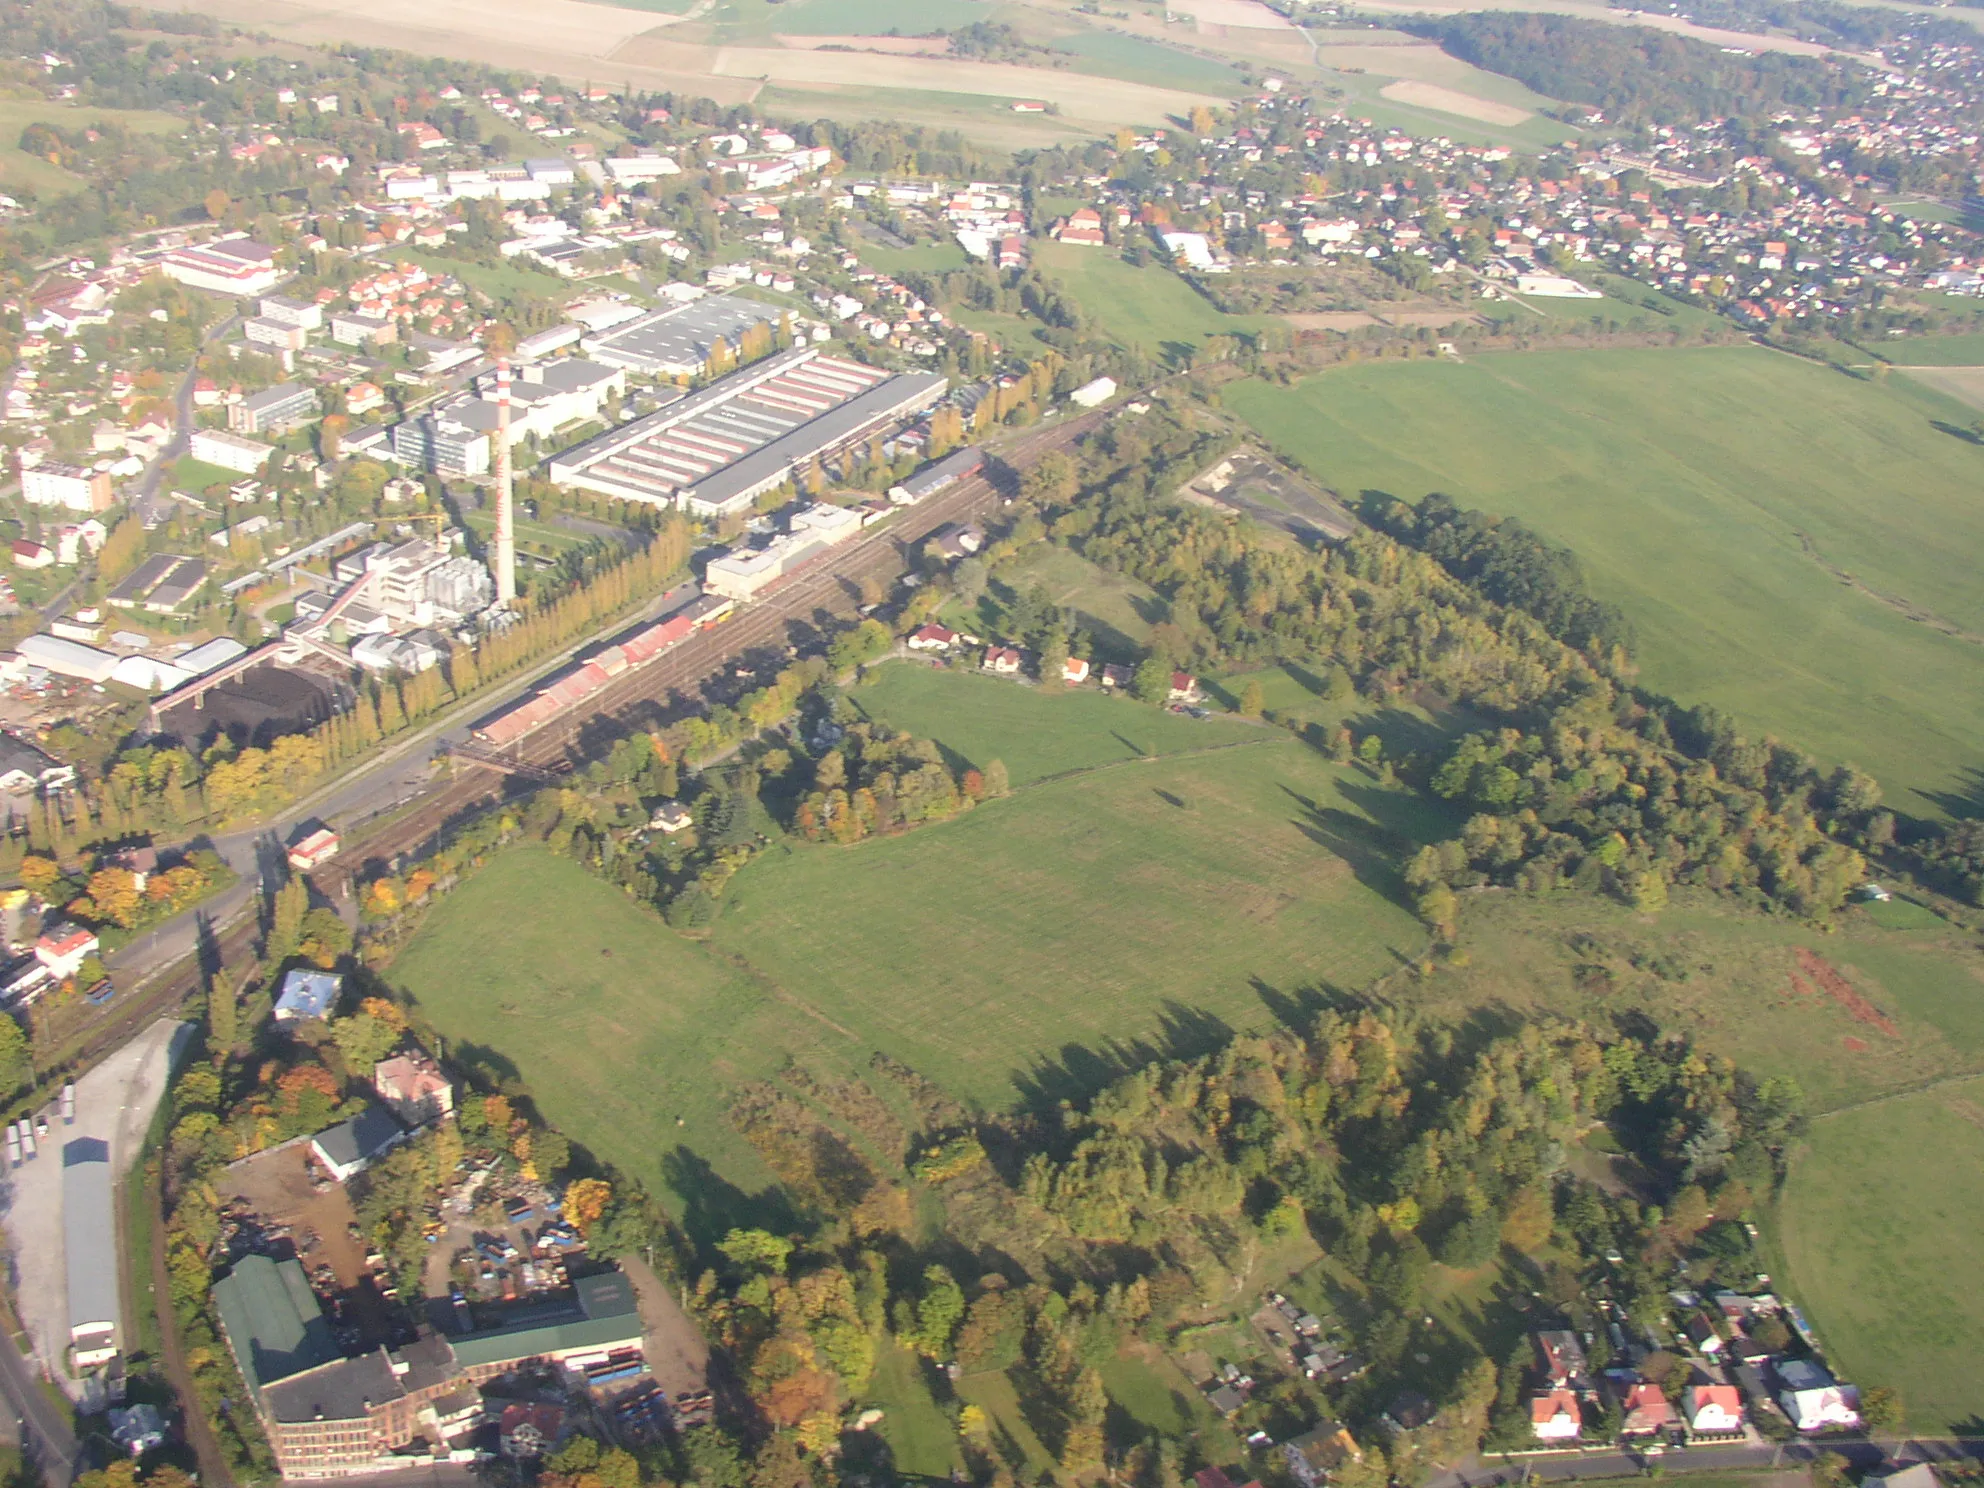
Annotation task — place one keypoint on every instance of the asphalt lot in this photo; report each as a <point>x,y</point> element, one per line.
<point>115,1102</point>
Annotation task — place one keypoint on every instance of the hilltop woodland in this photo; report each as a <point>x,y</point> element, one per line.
<point>1638,76</point>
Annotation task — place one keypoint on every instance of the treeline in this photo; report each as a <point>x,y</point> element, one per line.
<point>1510,564</point>
<point>1855,27</point>
<point>1638,75</point>
<point>1594,782</point>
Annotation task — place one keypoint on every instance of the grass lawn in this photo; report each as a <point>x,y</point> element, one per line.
<point>1707,491</point>
<point>194,476</point>
<point>1036,734</point>
<point>615,1023</point>
<point>1112,54</point>
<point>1962,350</point>
<point>1149,308</point>
<point>1092,922</point>
<point>19,169</point>
<point>1013,1437</point>
<point>924,258</point>
<point>875,17</point>
<point>1723,977</point>
<point>920,1436</point>
<point>1881,1233</point>
<point>509,282</point>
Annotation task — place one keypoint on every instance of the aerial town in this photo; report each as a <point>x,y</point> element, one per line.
<point>1006,745</point>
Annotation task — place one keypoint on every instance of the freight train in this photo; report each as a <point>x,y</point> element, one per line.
<point>642,647</point>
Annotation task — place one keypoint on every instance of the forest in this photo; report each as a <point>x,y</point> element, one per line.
<point>1641,76</point>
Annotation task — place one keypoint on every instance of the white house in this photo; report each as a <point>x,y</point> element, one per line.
<point>1715,1410</point>
<point>1555,1417</point>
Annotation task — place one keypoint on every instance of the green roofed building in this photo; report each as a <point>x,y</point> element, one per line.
<point>328,1415</point>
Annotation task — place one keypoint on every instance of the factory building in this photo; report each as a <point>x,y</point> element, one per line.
<point>676,341</point>
<point>717,450</point>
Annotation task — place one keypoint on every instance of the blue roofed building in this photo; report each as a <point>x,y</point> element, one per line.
<point>308,996</point>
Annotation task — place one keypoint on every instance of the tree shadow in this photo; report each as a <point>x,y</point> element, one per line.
<point>1079,1071</point>
<point>1297,1010</point>
<point>712,1206</point>
<point>1957,431</point>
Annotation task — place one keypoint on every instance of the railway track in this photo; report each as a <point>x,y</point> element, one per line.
<point>684,668</point>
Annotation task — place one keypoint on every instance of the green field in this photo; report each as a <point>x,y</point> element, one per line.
<point>921,258</point>
<point>870,17</point>
<point>922,1441</point>
<point>983,718</point>
<point>1095,920</point>
<point>1112,54</point>
<point>1963,350</point>
<point>1880,1223</point>
<point>194,476</point>
<point>1161,896</point>
<point>1149,308</point>
<point>616,1024</point>
<point>1706,491</point>
<point>18,169</point>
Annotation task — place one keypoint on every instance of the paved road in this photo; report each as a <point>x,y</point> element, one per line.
<point>395,776</point>
<point>145,500</point>
<point>1568,1467</point>
<point>46,1440</point>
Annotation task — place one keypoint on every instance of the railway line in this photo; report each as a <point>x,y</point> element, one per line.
<point>684,669</point>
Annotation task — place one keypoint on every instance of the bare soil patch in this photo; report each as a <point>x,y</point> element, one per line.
<point>1965,384</point>
<point>1449,101</point>
<point>1250,14</point>
<point>904,46</point>
<point>277,1188</point>
<point>1840,990</point>
<point>1077,93</point>
<point>1330,320</point>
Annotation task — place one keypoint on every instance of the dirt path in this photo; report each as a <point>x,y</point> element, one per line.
<point>199,1431</point>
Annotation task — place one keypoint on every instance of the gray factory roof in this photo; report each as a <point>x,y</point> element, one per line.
<point>89,1233</point>
<point>679,338</point>
<point>342,1390</point>
<point>771,463</point>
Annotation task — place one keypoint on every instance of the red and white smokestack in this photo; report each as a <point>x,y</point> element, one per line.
<point>506,530</point>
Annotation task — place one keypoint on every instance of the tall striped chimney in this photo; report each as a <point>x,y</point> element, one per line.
<point>506,530</point>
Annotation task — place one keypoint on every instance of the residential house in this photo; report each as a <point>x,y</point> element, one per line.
<point>530,1428</point>
<point>313,849</point>
<point>1082,227</point>
<point>1823,1408</point>
<point>1314,1455</point>
<point>671,817</point>
<point>1703,1335</point>
<point>957,540</point>
<point>413,1088</point>
<point>1715,1410</point>
<point>307,996</point>
<point>350,1147</point>
<point>1646,1410</point>
<point>1555,1417</point>
<point>63,948</point>
<point>1116,676</point>
<point>931,637</point>
<point>1561,1357</point>
<point>30,554</point>
<point>1074,671</point>
<point>1184,688</point>
<point>1003,660</point>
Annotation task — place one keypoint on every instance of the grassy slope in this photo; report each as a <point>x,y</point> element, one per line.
<point>1113,609</point>
<point>1112,54</point>
<point>1033,946</point>
<point>1151,308</point>
<point>617,1024</point>
<point>1687,481</point>
<point>19,169</point>
<point>1882,1233</point>
<point>1964,350</point>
